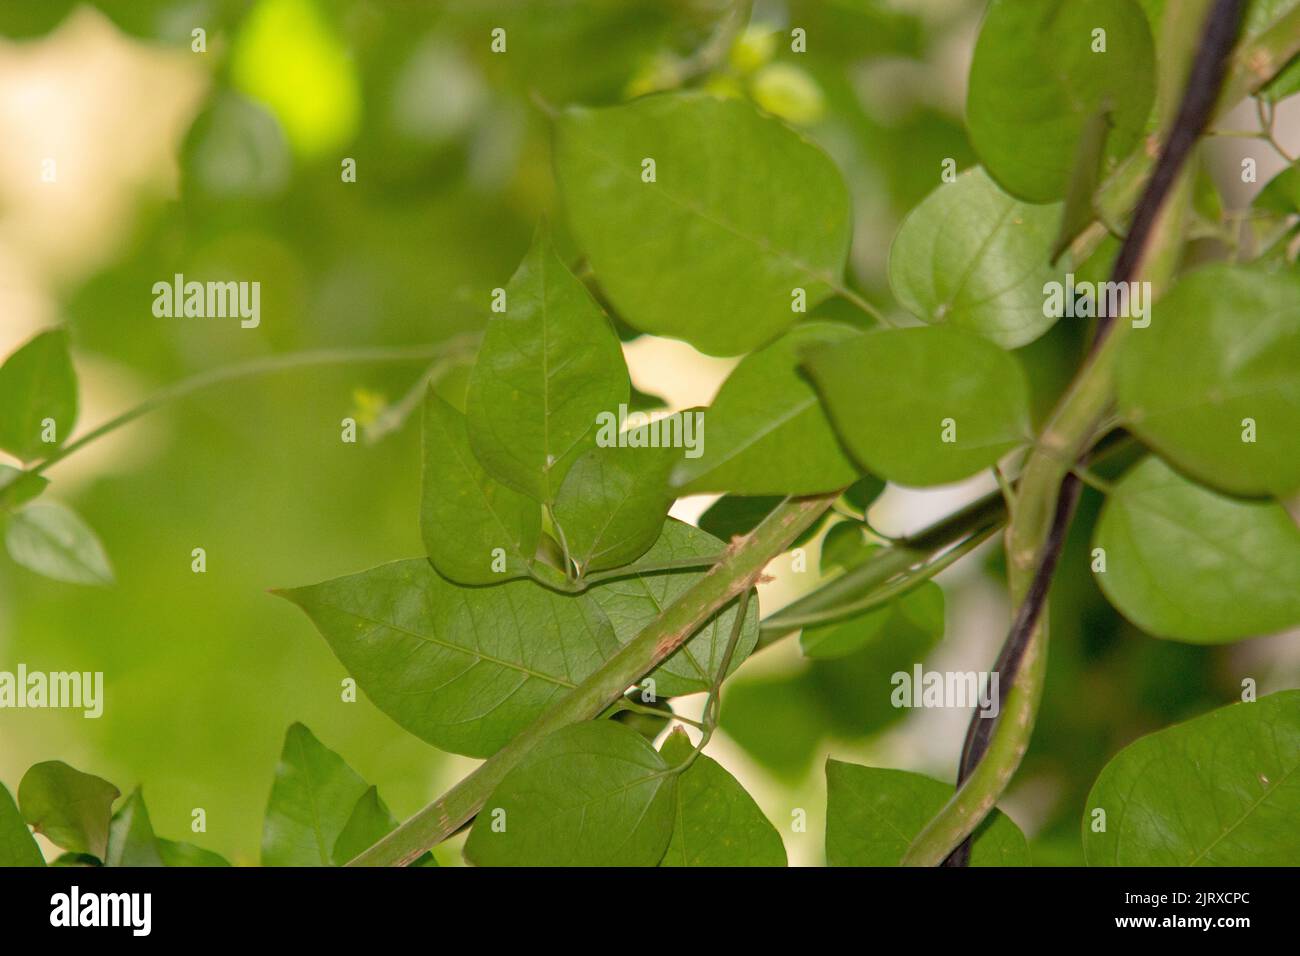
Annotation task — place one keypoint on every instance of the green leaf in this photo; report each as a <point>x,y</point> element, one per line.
<point>630,603</point>
<point>893,395</point>
<point>733,515</point>
<point>856,691</point>
<point>1187,563</point>
<point>52,539</point>
<point>975,258</point>
<point>176,853</point>
<point>465,516</point>
<point>1220,790</point>
<point>1035,82</point>
<point>37,382</point>
<point>742,211</point>
<point>916,617</point>
<point>69,808</point>
<point>873,814</point>
<point>17,845</point>
<point>462,668</point>
<point>1222,351</point>
<point>863,493</point>
<point>639,401</point>
<point>777,719</point>
<point>17,487</point>
<point>767,432</point>
<point>131,840</point>
<point>593,794</point>
<point>1282,193</point>
<point>613,503</point>
<point>369,822</point>
<point>548,366</point>
<point>844,546</point>
<point>717,823</point>
<point>312,800</point>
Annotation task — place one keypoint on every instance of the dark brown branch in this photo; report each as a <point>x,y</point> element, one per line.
<point>1007,665</point>
<point>1204,83</point>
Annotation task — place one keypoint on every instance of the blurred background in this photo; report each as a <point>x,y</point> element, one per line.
<point>219,155</point>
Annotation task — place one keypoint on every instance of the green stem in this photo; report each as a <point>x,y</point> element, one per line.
<point>898,558</point>
<point>1067,436</point>
<point>571,570</point>
<point>1253,65</point>
<point>1093,480</point>
<point>570,585</point>
<point>1045,500</point>
<point>862,304</point>
<point>711,703</point>
<point>1256,63</point>
<point>655,567</point>
<point>894,564</point>
<point>259,366</point>
<point>741,564</point>
<point>396,415</point>
<point>910,580</point>
<point>636,707</point>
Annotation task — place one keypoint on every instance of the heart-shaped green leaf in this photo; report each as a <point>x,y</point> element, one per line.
<point>476,530</point>
<point>613,503</point>
<point>549,365</point>
<point>1041,70</point>
<point>1214,383</point>
<point>717,823</point>
<point>767,432</point>
<point>1185,562</point>
<point>975,258</point>
<point>464,668</point>
<point>701,217</point>
<point>923,406</point>
<point>873,814</point>
<point>593,794</point>
<point>69,808</point>
<point>1220,790</point>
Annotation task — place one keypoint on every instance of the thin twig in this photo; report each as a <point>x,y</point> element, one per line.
<point>259,366</point>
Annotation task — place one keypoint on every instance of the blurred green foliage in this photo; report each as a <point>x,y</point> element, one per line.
<point>452,151</point>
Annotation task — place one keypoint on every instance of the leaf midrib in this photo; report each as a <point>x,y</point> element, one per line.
<point>1268,792</point>
<point>491,659</point>
<point>691,206</point>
